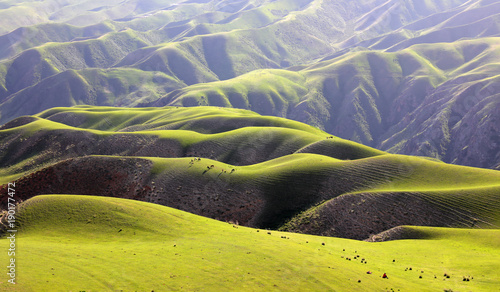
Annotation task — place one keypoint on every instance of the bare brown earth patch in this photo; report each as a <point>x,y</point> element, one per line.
<point>364,215</point>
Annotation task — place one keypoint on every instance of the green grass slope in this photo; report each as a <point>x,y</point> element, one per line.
<point>269,92</point>
<point>426,67</point>
<point>116,244</point>
<point>233,164</point>
<point>106,87</point>
<point>26,38</point>
<point>229,135</point>
<point>390,100</point>
<point>39,52</point>
<point>194,42</point>
<point>36,64</point>
<point>317,26</point>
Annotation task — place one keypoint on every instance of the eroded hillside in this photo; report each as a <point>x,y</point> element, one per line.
<point>408,77</point>
<point>235,165</point>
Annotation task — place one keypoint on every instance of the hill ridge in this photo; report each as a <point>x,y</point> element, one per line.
<point>260,176</point>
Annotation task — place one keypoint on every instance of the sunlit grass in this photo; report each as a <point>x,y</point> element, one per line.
<point>95,243</point>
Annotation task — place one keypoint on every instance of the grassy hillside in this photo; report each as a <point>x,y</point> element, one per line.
<point>26,38</point>
<point>392,101</point>
<point>230,135</point>
<point>110,244</point>
<point>232,164</point>
<point>240,44</point>
<point>194,42</point>
<point>409,77</point>
<point>111,87</point>
<point>35,65</point>
<point>241,111</point>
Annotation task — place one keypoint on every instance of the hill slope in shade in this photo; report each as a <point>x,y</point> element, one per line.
<point>231,164</point>
<point>110,87</point>
<point>187,41</point>
<point>184,251</point>
<point>409,77</point>
<point>425,100</point>
<point>477,20</point>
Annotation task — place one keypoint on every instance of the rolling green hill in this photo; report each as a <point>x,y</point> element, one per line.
<point>116,244</point>
<point>128,126</point>
<point>419,101</point>
<point>111,87</point>
<point>232,164</point>
<point>408,77</point>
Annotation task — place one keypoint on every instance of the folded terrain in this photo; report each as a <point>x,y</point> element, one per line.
<point>408,77</point>
<point>127,127</point>
<point>235,165</point>
<point>99,244</point>
<point>424,100</point>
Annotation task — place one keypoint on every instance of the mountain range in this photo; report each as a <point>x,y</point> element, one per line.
<point>250,145</point>
<point>408,77</point>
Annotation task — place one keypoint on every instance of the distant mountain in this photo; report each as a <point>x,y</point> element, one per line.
<point>404,76</point>
<point>235,165</point>
<point>475,19</point>
<point>112,87</point>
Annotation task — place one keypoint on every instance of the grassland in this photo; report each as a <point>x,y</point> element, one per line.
<point>100,244</point>
<point>388,75</point>
<point>433,88</point>
<point>392,101</point>
<point>229,135</point>
<point>232,164</point>
<point>111,87</point>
